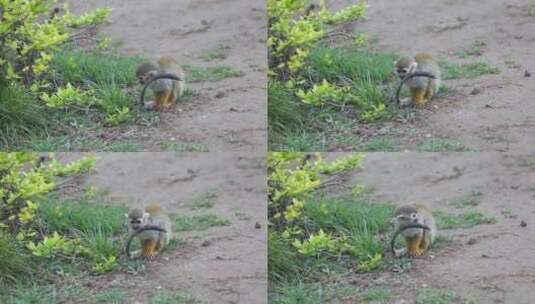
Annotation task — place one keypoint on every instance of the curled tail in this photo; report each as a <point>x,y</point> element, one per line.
<point>154,78</point>
<point>144,228</point>
<point>401,229</point>
<point>415,74</point>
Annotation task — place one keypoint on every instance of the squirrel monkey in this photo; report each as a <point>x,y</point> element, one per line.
<point>422,88</point>
<point>166,80</point>
<point>153,228</point>
<point>418,239</point>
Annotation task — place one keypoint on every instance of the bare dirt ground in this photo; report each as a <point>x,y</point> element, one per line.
<point>225,264</point>
<point>228,115</point>
<point>501,115</point>
<point>490,263</point>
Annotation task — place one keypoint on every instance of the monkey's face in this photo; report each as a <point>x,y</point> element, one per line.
<point>405,66</point>
<point>136,223</point>
<point>409,218</point>
<point>137,219</point>
<point>145,71</point>
<point>144,78</point>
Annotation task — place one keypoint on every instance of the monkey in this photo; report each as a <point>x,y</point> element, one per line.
<point>153,228</point>
<point>417,225</point>
<point>166,80</point>
<point>421,74</point>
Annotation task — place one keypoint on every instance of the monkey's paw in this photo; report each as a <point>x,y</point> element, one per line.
<point>405,102</point>
<point>149,105</point>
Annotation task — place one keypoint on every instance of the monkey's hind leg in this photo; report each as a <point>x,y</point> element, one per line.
<point>413,246</point>
<point>425,242</point>
<point>431,89</point>
<point>148,248</point>
<point>160,99</point>
<point>160,244</point>
<point>170,100</point>
<point>418,97</point>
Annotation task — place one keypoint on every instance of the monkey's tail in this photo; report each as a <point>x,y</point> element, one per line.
<point>415,74</point>
<point>154,78</point>
<point>144,228</point>
<point>401,229</point>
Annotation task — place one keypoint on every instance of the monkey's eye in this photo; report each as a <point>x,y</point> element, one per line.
<point>413,215</point>
<point>135,221</point>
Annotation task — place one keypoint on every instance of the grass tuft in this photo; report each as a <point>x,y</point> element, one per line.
<point>441,145</point>
<point>198,222</point>
<point>79,67</point>
<point>197,74</point>
<point>376,295</point>
<point>467,70</point>
<point>172,297</point>
<point>342,65</point>
<point>183,147</point>
<point>435,296</point>
<point>64,216</point>
<point>22,115</point>
<point>464,221</point>
<point>382,144</point>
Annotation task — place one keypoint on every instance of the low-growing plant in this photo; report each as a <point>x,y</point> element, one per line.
<point>30,36</point>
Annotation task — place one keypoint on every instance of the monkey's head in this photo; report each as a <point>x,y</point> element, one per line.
<point>405,65</point>
<point>408,215</point>
<point>145,71</point>
<point>137,218</point>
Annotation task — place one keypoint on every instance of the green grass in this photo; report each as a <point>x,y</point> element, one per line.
<point>383,144</point>
<point>204,201</point>
<point>22,116</point>
<point>285,113</point>
<point>297,293</point>
<point>339,65</point>
<point>106,75</point>
<point>445,91</point>
<point>283,262</point>
<point>464,221</point>
<point>376,295</point>
<point>112,95</point>
<point>242,216</point>
<point>110,296</point>
<point>183,147</point>
<point>197,74</point>
<point>435,296</point>
<point>68,215</point>
<point>346,215</point>
<point>33,294</point>
<point>172,297</point>
<point>469,200</point>
<point>362,226</point>
<point>295,126</point>
<point>124,146</point>
<point>302,141</point>
<point>17,264</point>
<point>467,70</point>
<point>198,222</point>
<point>475,49</point>
<point>219,53</point>
<point>441,145</point>
<point>82,68</point>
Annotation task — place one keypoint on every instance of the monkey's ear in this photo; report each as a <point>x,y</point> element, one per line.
<point>146,216</point>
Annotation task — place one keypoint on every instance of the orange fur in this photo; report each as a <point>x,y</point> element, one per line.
<point>418,97</point>
<point>153,208</point>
